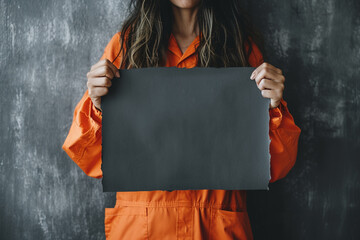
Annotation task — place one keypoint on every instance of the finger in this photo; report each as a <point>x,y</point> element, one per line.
<point>98,64</point>
<point>273,94</point>
<point>106,62</point>
<point>268,93</point>
<point>265,65</point>
<point>102,71</point>
<point>270,84</point>
<point>99,82</point>
<point>269,74</point>
<point>98,91</point>
<point>270,66</point>
<point>113,68</point>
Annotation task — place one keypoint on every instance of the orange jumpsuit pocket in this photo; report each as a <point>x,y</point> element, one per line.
<point>126,222</point>
<point>226,225</point>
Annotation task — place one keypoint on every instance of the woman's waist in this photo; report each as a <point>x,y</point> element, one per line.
<point>230,199</point>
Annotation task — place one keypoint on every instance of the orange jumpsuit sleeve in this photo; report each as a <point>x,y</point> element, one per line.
<point>83,142</point>
<point>283,132</point>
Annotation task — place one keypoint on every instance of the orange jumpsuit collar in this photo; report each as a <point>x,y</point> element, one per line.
<point>175,49</point>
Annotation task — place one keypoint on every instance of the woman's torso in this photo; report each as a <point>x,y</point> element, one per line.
<point>179,214</point>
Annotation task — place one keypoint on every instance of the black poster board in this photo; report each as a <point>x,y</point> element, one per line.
<point>171,128</point>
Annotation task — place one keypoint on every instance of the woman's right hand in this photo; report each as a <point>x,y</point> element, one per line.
<point>99,80</point>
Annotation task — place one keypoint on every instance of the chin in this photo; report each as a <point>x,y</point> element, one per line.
<point>185,3</point>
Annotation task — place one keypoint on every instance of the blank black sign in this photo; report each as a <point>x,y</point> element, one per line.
<point>171,128</point>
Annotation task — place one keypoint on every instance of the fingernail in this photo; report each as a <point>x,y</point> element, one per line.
<point>252,75</point>
<point>117,74</point>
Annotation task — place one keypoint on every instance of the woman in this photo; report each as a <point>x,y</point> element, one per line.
<point>181,33</point>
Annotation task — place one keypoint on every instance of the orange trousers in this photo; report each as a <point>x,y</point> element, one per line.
<point>175,220</point>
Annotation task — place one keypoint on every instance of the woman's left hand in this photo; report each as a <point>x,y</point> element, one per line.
<point>270,81</point>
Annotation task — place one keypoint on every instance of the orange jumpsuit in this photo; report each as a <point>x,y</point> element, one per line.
<point>179,214</point>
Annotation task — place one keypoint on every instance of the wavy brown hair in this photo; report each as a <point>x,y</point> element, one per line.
<point>225,28</point>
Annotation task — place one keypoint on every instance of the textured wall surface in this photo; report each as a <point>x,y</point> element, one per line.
<point>317,44</point>
<point>46,49</point>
